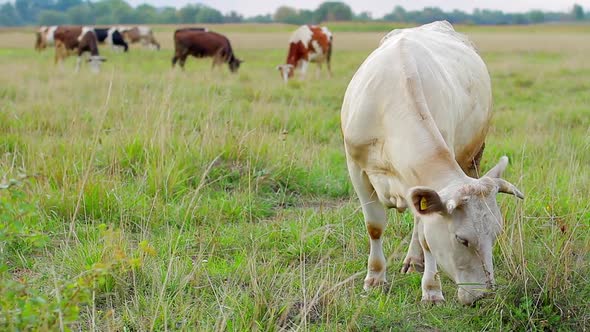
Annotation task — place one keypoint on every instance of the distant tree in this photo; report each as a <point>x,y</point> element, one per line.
<point>536,16</point>
<point>333,11</point>
<point>27,10</point>
<point>168,15</point>
<point>578,12</point>
<point>458,16</point>
<point>8,15</point>
<point>63,5</point>
<point>431,14</point>
<point>147,14</point>
<point>363,16</point>
<point>188,13</point>
<point>260,19</point>
<point>81,14</point>
<point>284,14</point>
<point>397,15</point>
<point>233,17</point>
<point>519,19</point>
<point>487,16</point>
<point>208,15</point>
<point>52,17</point>
<point>305,16</point>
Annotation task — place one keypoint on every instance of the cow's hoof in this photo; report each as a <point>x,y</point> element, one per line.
<point>374,282</point>
<point>413,264</point>
<point>433,299</point>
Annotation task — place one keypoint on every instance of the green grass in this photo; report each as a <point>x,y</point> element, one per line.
<point>149,199</point>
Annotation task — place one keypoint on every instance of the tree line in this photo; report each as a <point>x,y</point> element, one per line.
<point>105,12</point>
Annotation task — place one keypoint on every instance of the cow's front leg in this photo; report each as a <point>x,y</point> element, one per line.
<point>414,260</point>
<point>431,288</point>
<point>318,72</point>
<point>375,222</point>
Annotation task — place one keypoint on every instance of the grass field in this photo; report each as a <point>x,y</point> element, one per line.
<point>144,198</point>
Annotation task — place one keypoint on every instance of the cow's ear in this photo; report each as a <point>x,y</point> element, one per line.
<point>496,171</point>
<point>426,201</point>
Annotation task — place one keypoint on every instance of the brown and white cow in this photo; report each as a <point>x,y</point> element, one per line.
<point>69,39</point>
<point>414,120</point>
<point>202,43</point>
<point>309,43</point>
<point>45,37</point>
<point>139,34</point>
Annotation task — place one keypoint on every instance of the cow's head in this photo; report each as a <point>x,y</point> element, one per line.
<point>234,64</point>
<point>460,224</point>
<point>286,71</point>
<point>95,62</point>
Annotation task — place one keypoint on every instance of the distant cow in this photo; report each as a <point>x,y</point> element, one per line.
<point>45,37</point>
<point>137,34</point>
<point>111,36</point>
<point>202,43</point>
<point>193,29</point>
<point>309,43</point>
<point>414,120</point>
<point>79,39</point>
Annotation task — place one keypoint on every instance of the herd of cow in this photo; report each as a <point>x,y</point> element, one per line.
<point>307,44</point>
<point>414,120</point>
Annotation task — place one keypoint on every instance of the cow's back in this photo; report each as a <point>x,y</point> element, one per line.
<point>419,86</point>
<point>68,35</point>
<point>200,43</point>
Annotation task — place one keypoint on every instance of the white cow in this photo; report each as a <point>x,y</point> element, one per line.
<point>414,120</point>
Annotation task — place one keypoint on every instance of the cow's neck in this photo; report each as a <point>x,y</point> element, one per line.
<point>437,171</point>
<point>428,161</point>
<point>93,48</point>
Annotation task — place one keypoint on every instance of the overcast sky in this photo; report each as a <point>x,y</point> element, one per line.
<point>377,7</point>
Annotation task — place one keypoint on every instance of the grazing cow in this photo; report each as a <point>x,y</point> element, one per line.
<point>414,120</point>
<point>45,37</point>
<point>141,34</point>
<point>193,29</point>
<point>81,39</point>
<point>309,43</point>
<point>203,43</point>
<point>112,37</point>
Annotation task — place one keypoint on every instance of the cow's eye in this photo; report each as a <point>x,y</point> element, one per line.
<point>462,240</point>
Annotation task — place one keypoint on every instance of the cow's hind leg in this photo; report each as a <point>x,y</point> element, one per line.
<point>303,68</point>
<point>318,72</point>
<point>375,222</point>
<point>182,61</point>
<point>414,260</point>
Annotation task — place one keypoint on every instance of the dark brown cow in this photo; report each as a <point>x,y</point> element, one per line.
<point>309,43</point>
<point>200,44</point>
<point>79,39</point>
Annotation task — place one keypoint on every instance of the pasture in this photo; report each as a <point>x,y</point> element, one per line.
<point>144,198</point>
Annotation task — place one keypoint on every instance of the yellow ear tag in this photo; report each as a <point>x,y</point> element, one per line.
<point>423,204</point>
